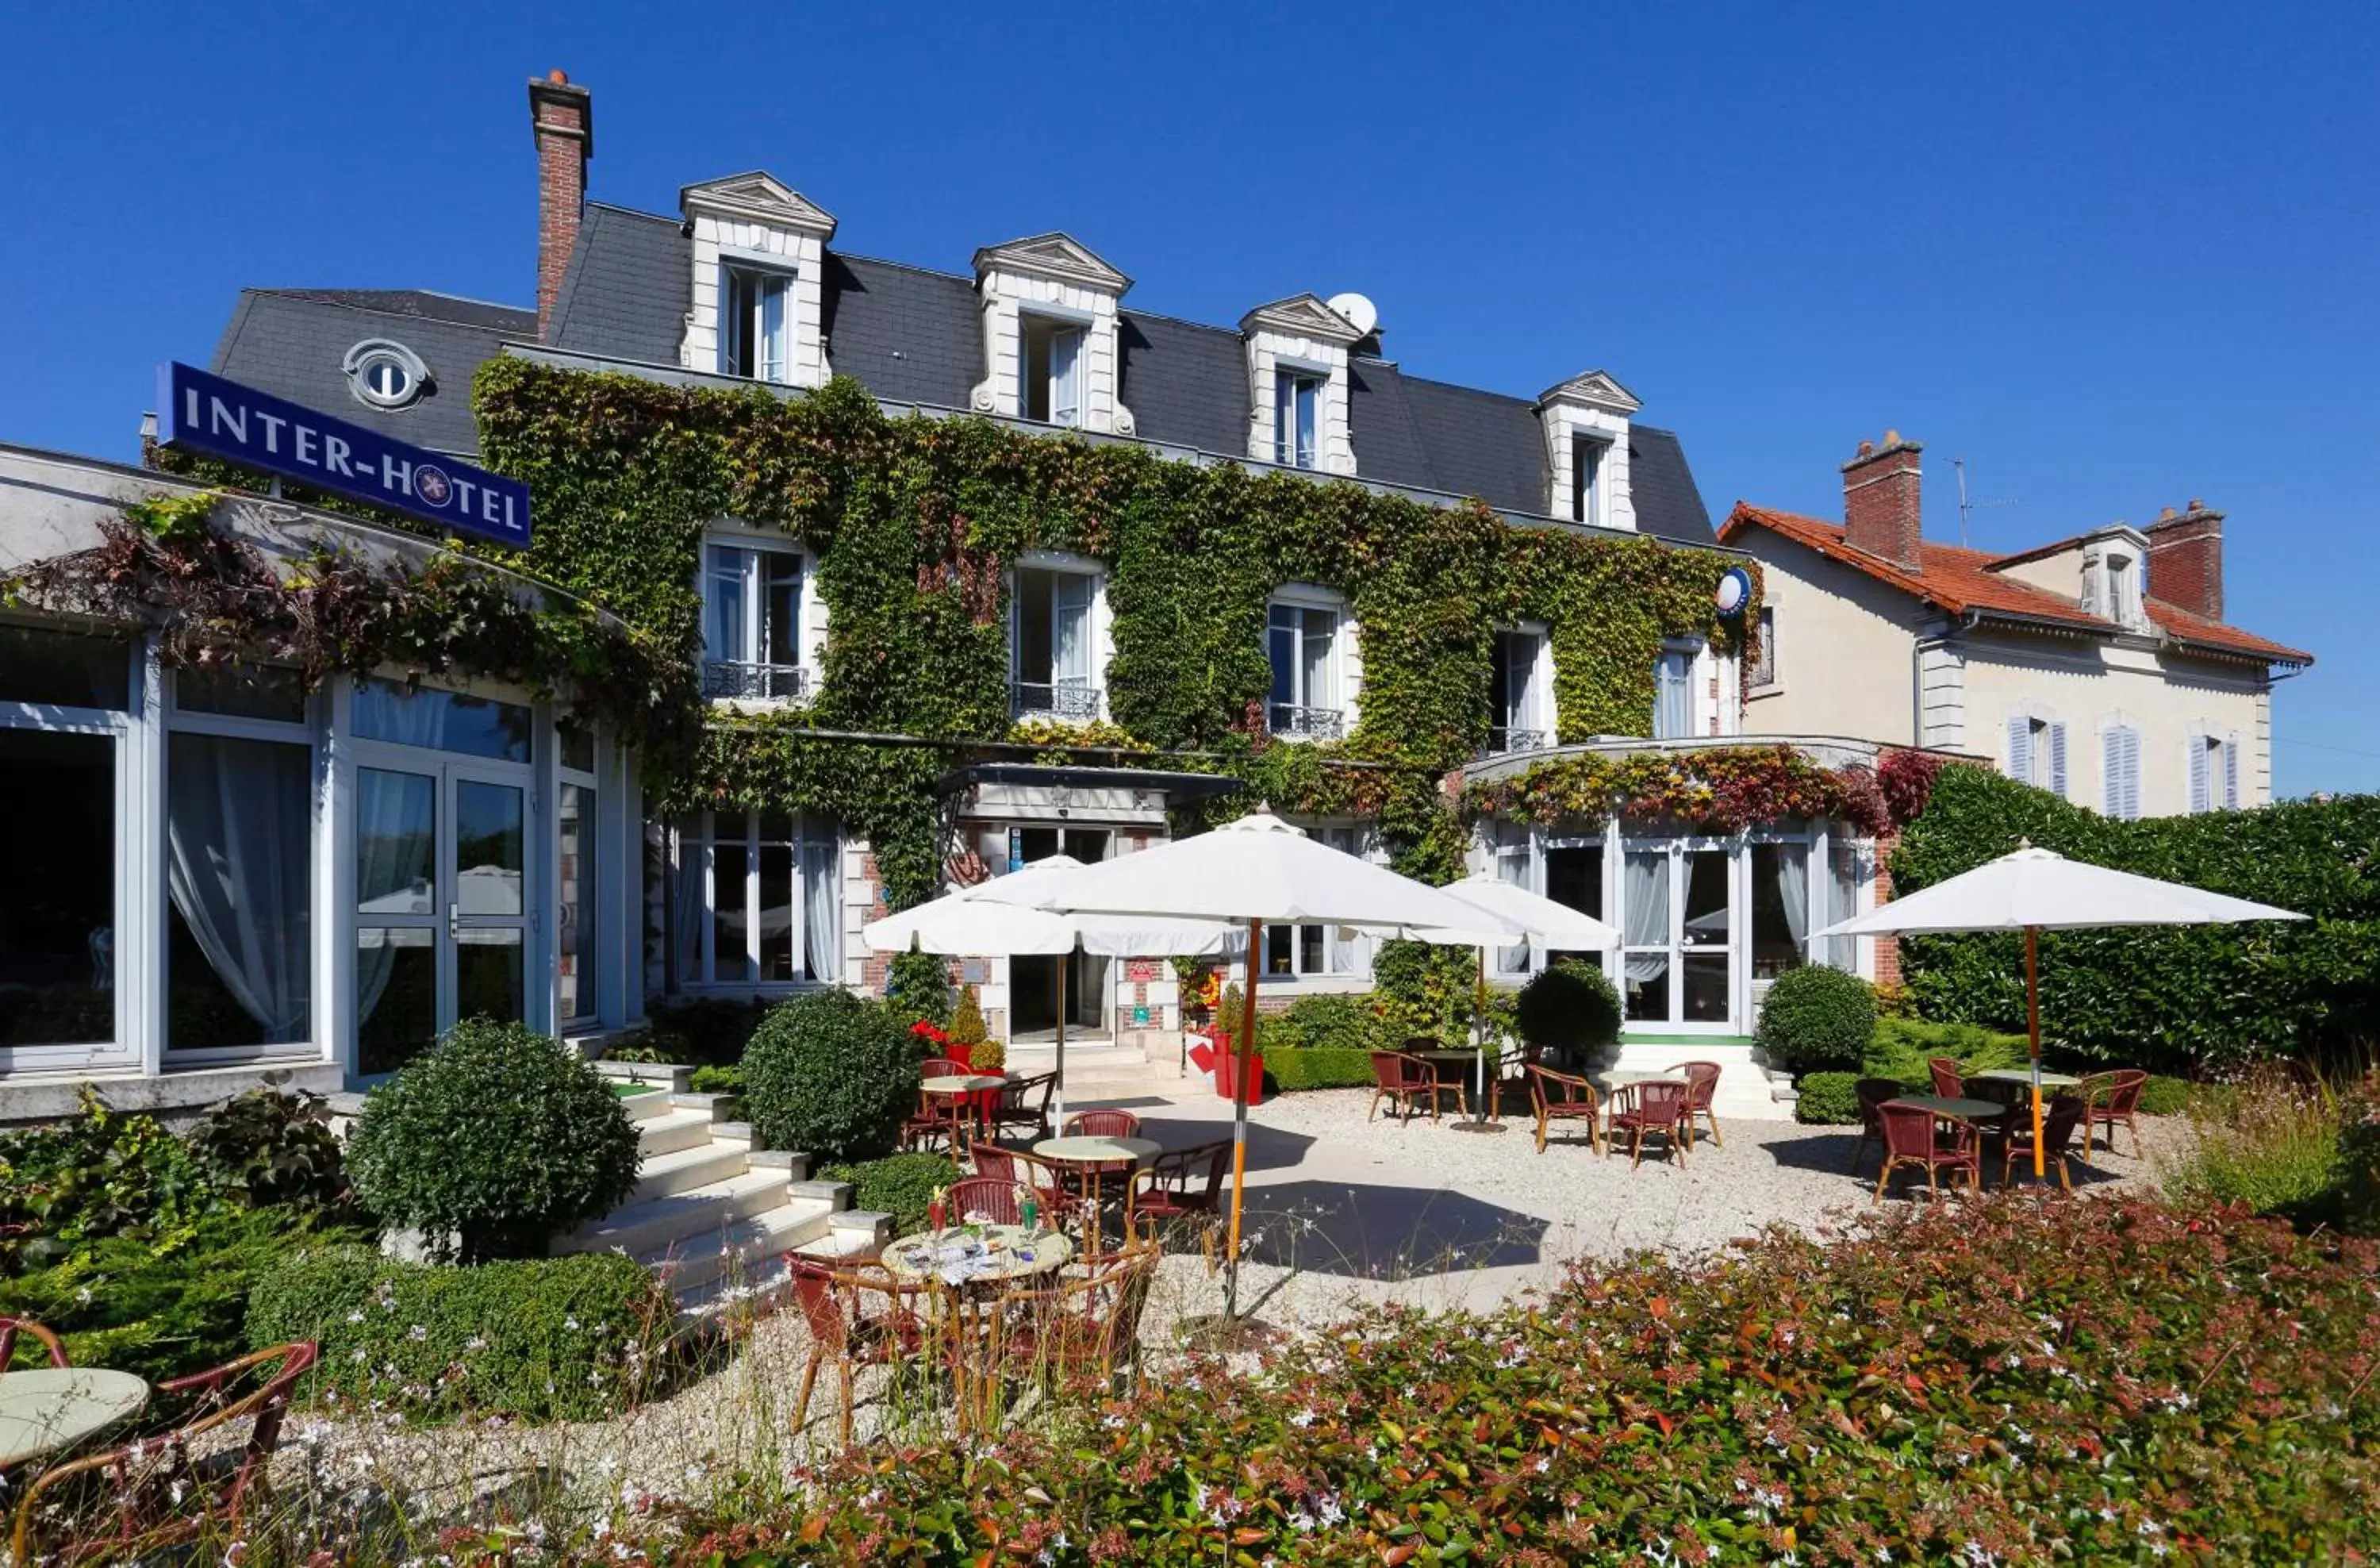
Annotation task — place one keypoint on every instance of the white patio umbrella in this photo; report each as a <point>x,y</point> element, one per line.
<point>966,924</point>
<point>1255,870</point>
<point>1557,928</point>
<point>2034,891</point>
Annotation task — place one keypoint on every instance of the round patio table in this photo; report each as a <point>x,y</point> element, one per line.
<point>1953,1107</point>
<point>2020,1075</point>
<point>51,1408</point>
<point>960,1256</point>
<point>955,1088</point>
<point>1092,1157</point>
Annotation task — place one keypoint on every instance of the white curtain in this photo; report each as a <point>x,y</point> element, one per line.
<point>238,865</point>
<point>396,828</point>
<point>689,905</point>
<point>1065,377</point>
<point>1071,651</point>
<point>822,904</point>
<point>1794,892</point>
<point>1842,878</point>
<point>1673,716</point>
<point>1646,911</point>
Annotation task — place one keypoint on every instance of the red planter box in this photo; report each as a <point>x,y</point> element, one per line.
<point>1227,1072</point>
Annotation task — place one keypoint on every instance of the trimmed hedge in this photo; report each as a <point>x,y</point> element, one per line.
<point>1330,1067</point>
<point>1816,1019</point>
<point>832,1073</point>
<point>898,1185</point>
<point>551,1339</point>
<point>1828,1099</point>
<point>2175,1000</point>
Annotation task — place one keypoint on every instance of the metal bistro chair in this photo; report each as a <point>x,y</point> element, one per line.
<point>1871,1094</point>
<point>11,1327</point>
<point>1565,1097</point>
<point>1702,1087</point>
<point>1950,1081</point>
<point>1665,1110</point>
<point>1403,1078</point>
<point>2111,1097</point>
<point>1023,1104</point>
<point>1910,1139</point>
<point>843,1330</point>
<point>1180,1186</point>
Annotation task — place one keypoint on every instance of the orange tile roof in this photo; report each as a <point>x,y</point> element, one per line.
<point>1960,580</point>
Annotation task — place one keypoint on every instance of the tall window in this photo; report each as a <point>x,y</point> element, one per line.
<point>1297,401</point>
<point>1517,694</point>
<point>1304,648</point>
<point>755,339</point>
<point>2037,753</point>
<point>2120,771</point>
<point>752,621</point>
<point>1764,666</point>
<point>1319,950</point>
<point>759,899</point>
<point>2213,773</point>
<point>1673,695</point>
<point>1780,908</point>
<point>2111,587</point>
<point>579,868</point>
<point>1050,637</point>
<point>1586,480</point>
<point>1052,372</point>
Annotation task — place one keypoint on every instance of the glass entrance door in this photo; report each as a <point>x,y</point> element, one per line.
<point>442,911</point>
<point>1678,963</point>
<point>1034,981</point>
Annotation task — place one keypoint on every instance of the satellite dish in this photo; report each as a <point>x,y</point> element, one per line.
<point>1361,313</point>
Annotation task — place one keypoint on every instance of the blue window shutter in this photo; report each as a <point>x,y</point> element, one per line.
<point>2057,736</point>
<point>2201,797</point>
<point>2020,753</point>
<point>2111,773</point>
<point>2231,772</point>
<point>2124,773</point>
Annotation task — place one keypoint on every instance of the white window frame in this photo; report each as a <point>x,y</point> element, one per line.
<point>1673,654</point>
<point>1589,456</point>
<point>1091,704</point>
<point>1529,702</point>
<point>698,841</point>
<point>731,678</point>
<point>2220,751</point>
<point>768,281</point>
<point>1305,603</point>
<point>1344,957</point>
<point>1767,673</point>
<point>1293,447</point>
<point>1061,405</point>
<point>2043,761</point>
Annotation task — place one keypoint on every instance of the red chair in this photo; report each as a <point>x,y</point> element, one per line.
<point>1183,1185</point>
<point>995,1163</point>
<point>2110,1098</point>
<point>1512,1065</point>
<point>841,1330</point>
<point>1665,1110</point>
<point>996,1201</point>
<point>1872,1093</point>
<point>1024,1104</point>
<point>1402,1079</point>
<point>1950,1082</point>
<point>10,1326</point>
<point>1702,1087</point>
<point>1910,1139</point>
<point>2060,1117</point>
<point>1102,1124</point>
<point>1083,1328</point>
<point>159,1496</point>
<point>937,1115</point>
<point>1564,1097</point>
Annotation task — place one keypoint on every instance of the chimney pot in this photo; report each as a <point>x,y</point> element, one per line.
<point>559,78</point>
<point>1866,448</point>
<point>561,119</point>
<point>1882,505</point>
<point>1892,438</point>
<point>2197,504</point>
<point>2164,515</point>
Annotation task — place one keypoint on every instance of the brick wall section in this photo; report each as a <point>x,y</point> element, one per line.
<point>1888,948</point>
<point>2186,560</point>
<point>562,118</point>
<point>1882,511</point>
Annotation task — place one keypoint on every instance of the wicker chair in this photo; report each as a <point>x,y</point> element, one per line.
<point>1023,1104</point>
<point>1103,1125</point>
<point>1403,1078</point>
<point>2060,1117</point>
<point>1664,1109</point>
<point>152,1492</point>
<point>996,1200</point>
<point>1565,1097</point>
<point>2110,1098</point>
<point>1182,1185</point>
<point>1872,1093</point>
<point>1950,1081</point>
<point>11,1327</point>
<point>1910,1139</point>
<point>994,1163</point>
<point>835,1305</point>
<point>938,1116</point>
<point>1702,1087</point>
<point>1088,1327</point>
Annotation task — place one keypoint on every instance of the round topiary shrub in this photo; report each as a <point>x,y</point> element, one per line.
<point>832,1073</point>
<point>1569,1007</point>
<point>1817,1020</point>
<point>1828,1099</point>
<point>492,1144</point>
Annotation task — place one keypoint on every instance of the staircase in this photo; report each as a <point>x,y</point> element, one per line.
<point>1104,1073</point>
<point>1747,1089</point>
<point>710,1213</point>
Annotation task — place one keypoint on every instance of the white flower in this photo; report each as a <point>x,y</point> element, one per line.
<point>355,1314</point>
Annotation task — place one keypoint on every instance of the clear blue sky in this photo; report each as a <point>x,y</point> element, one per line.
<point>2114,261</point>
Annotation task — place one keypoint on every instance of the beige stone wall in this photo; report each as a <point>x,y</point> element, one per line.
<point>1847,648</point>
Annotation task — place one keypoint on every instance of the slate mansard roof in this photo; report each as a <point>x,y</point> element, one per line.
<point>910,334</point>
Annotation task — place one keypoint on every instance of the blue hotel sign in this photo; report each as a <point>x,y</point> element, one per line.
<point>223,419</point>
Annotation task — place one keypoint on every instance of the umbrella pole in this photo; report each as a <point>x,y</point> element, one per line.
<point>1065,962</point>
<point>2032,1034</point>
<point>1246,1044</point>
<point>1479,1038</point>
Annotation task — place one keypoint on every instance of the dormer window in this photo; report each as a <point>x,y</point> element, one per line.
<point>754,339</point>
<point>752,620</point>
<point>1586,478</point>
<point>1297,399</point>
<point>1586,424</point>
<point>1054,670</point>
<point>1307,642</point>
<point>1052,372</point>
<point>386,374</point>
<point>2123,597</point>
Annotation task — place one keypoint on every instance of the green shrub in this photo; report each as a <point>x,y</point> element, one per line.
<point>1816,1019</point>
<point>2271,1142</point>
<point>1570,1007</point>
<point>898,1185</point>
<point>1829,1100</point>
<point>917,988</point>
<point>1331,1021</point>
<point>102,1172</point>
<point>1328,1068</point>
<point>2162,1095</point>
<point>495,1142</point>
<point>2179,999</point>
<point>574,1338</point>
<point>2359,1160</point>
<point>717,1080</point>
<point>168,1303</point>
<point>265,1146</point>
<point>834,1074</point>
<point>1900,1048</point>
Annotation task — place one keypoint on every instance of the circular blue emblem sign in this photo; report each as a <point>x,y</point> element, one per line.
<point>431,484</point>
<point>1734,592</point>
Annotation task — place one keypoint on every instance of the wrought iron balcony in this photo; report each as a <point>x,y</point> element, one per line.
<point>1309,724</point>
<point>734,677</point>
<point>1075,702</point>
<point>1503,738</point>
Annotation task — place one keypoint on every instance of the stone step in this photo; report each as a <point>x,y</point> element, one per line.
<point>654,1101</point>
<point>746,1252</point>
<point>672,1130</point>
<point>681,1170</point>
<point>696,1215</point>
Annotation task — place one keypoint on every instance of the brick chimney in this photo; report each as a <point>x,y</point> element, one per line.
<point>562,118</point>
<point>1880,501</point>
<point>2186,559</point>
